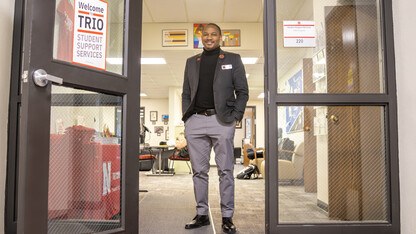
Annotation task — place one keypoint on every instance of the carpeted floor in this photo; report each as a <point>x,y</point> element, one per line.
<point>169,204</point>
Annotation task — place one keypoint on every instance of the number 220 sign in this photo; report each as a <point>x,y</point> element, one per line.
<point>299,34</point>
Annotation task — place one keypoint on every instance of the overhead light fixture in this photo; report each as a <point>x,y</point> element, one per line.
<point>115,60</point>
<point>153,61</point>
<point>250,60</point>
<point>143,95</point>
<point>118,61</point>
<point>261,95</point>
<point>322,61</point>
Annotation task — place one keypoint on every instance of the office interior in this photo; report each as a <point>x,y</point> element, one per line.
<point>309,174</point>
<point>305,192</point>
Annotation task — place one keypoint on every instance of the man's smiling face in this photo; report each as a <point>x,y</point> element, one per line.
<point>211,37</point>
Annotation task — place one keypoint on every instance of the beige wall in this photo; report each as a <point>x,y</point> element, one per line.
<point>6,29</point>
<point>405,49</point>
<point>162,108</point>
<point>251,32</point>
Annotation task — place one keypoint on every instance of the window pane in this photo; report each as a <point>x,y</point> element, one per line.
<point>91,48</point>
<point>327,46</point>
<point>332,165</point>
<point>84,161</point>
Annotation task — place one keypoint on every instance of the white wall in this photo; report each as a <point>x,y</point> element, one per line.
<point>405,49</point>
<point>6,29</point>
<point>162,108</point>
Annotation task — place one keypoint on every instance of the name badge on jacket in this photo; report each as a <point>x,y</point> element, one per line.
<point>227,67</point>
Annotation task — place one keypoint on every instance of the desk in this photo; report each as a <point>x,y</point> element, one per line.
<point>159,171</point>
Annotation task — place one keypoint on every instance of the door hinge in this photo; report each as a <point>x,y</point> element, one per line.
<point>25,75</point>
<point>268,97</point>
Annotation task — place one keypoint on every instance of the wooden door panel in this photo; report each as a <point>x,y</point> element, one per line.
<point>356,156</point>
<point>310,163</point>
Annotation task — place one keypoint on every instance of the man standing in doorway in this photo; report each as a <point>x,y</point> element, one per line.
<point>214,97</point>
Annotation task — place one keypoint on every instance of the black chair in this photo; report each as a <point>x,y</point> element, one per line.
<point>146,159</point>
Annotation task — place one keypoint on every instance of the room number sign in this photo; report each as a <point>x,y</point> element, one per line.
<point>299,33</point>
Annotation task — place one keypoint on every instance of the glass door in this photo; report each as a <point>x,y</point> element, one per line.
<point>79,117</point>
<point>332,162</point>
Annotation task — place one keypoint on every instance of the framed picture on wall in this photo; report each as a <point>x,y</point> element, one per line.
<point>231,38</point>
<point>175,37</point>
<point>159,129</point>
<point>197,35</point>
<point>153,115</point>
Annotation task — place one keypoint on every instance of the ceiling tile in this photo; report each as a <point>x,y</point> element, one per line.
<point>203,11</point>
<point>242,10</point>
<point>167,11</point>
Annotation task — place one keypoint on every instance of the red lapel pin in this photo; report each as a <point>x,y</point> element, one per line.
<point>221,56</point>
<point>198,59</point>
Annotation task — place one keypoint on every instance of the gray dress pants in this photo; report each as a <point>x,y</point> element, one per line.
<point>202,133</point>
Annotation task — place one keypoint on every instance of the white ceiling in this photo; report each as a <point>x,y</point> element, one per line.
<point>156,79</point>
<point>168,11</point>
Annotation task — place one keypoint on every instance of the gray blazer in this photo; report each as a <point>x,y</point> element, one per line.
<point>230,87</point>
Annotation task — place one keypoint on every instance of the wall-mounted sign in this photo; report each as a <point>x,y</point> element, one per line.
<point>231,38</point>
<point>90,33</point>
<point>197,35</point>
<point>175,37</point>
<point>299,34</point>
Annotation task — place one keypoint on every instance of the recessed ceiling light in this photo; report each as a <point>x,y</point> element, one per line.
<point>153,61</point>
<point>118,61</point>
<point>261,95</point>
<point>115,60</point>
<point>322,61</point>
<point>143,95</point>
<point>249,60</point>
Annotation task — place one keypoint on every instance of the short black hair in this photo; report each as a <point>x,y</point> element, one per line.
<point>212,24</point>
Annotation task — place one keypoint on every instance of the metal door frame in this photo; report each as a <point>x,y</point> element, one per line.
<point>388,100</point>
<point>31,175</point>
<point>13,123</point>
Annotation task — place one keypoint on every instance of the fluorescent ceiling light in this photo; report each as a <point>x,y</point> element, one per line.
<point>115,60</point>
<point>118,61</point>
<point>153,61</point>
<point>261,95</point>
<point>317,75</point>
<point>143,95</point>
<point>250,60</point>
<point>322,61</point>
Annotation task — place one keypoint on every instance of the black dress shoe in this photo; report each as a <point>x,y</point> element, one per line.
<point>198,221</point>
<point>228,226</point>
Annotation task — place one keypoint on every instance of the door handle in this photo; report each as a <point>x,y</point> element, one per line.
<point>42,78</point>
<point>332,118</point>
